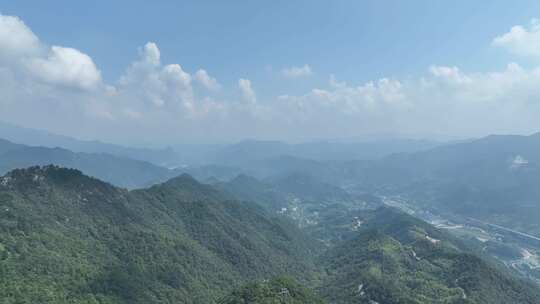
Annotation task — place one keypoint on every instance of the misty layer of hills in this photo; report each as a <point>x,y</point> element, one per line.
<point>268,222</point>
<point>242,153</point>
<point>118,170</point>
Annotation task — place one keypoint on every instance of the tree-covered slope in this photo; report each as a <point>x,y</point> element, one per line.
<point>325,211</point>
<point>396,258</point>
<point>247,188</point>
<point>280,290</point>
<point>68,238</point>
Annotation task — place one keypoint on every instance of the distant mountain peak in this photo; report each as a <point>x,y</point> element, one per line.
<point>188,188</point>
<point>183,178</point>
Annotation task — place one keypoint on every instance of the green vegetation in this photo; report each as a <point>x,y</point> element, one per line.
<point>280,290</point>
<point>396,258</point>
<point>68,238</point>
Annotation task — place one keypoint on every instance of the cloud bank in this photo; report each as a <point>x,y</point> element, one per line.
<point>61,89</point>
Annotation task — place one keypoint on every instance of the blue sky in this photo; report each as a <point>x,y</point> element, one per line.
<point>356,41</point>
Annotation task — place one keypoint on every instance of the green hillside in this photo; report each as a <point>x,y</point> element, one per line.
<point>280,290</point>
<point>396,258</point>
<point>68,238</point>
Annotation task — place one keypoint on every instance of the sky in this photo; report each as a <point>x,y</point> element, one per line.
<point>136,72</point>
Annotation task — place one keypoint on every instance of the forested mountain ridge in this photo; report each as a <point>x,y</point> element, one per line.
<point>493,179</point>
<point>68,238</point>
<point>395,258</point>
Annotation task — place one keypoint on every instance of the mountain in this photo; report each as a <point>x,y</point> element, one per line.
<point>245,154</point>
<point>32,137</point>
<point>250,151</point>
<point>117,170</point>
<point>325,211</point>
<point>205,172</point>
<point>276,193</point>
<point>247,188</point>
<point>69,238</point>
<point>308,187</point>
<point>395,258</point>
<point>277,290</point>
<point>6,146</point>
<point>493,179</point>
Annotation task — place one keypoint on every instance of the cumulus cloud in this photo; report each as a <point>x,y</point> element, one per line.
<point>150,54</point>
<point>16,39</point>
<point>445,101</point>
<point>346,110</point>
<point>296,72</point>
<point>350,100</point>
<point>65,83</point>
<point>521,40</point>
<point>21,50</point>
<point>205,80</point>
<point>66,67</point>
<point>148,81</point>
<point>451,74</point>
<point>247,91</point>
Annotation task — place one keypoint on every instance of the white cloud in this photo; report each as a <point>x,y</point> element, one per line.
<point>16,39</point>
<point>247,91</point>
<point>22,51</point>
<point>325,110</point>
<point>208,82</point>
<point>296,72</point>
<point>521,40</point>
<point>147,80</point>
<point>66,67</point>
<point>152,98</point>
<point>451,74</point>
<point>151,54</point>
<point>445,101</point>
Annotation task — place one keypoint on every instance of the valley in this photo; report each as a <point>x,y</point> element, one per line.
<point>369,231</point>
<point>517,250</point>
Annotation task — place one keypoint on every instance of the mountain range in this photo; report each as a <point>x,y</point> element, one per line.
<point>492,179</point>
<point>269,222</point>
<point>69,238</point>
<point>121,171</point>
<point>241,154</point>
